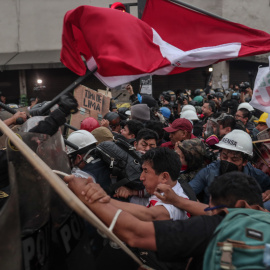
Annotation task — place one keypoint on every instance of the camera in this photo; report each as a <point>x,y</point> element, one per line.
<point>181,98</point>
<point>243,86</point>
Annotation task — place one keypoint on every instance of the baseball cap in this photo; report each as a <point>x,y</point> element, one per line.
<point>179,124</point>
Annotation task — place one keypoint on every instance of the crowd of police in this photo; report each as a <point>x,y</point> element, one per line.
<point>182,144</point>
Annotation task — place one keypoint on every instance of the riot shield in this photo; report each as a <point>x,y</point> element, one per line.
<point>71,243</point>
<point>34,205</point>
<point>3,138</point>
<point>67,195</point>
<point>10,234</point>
<point>4,115</point>
<point>44,216</point>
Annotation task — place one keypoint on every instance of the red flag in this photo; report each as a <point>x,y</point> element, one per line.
<point>204,39</point>
<point>119,44</point>
<point>125,48</point>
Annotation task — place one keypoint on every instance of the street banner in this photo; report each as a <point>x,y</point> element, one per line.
<point>261,91</point>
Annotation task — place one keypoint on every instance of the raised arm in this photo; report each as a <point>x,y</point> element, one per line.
<point>167,195</point>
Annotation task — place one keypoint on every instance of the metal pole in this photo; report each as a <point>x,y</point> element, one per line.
<point>71,127</point>
<point>72,145</point>
<point>198,9</point>
<point>19,121</point>
<point>65,91</point>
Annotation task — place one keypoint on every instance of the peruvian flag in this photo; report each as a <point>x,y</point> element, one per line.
<point>169,39</point>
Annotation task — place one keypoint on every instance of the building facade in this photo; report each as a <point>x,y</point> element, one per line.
<point>31,41</point>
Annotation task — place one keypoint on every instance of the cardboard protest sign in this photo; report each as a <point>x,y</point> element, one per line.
<point>105,93</point>
<point>120,93</point>
<point>91,104</point>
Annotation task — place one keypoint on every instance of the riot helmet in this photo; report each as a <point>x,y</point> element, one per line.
<point>114,120</point>
<point>198,92</point>
<point>219,95</point>
<point>235,96</point>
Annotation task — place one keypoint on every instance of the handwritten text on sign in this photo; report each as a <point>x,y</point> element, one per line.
<point>92,100</point>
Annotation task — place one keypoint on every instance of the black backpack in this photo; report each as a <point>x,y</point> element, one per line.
<point>124,162</point>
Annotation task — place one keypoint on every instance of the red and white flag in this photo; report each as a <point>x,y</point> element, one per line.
<point>171,39</point>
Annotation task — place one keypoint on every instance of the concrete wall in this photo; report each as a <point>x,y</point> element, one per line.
<point>36,25</point>
<point>30,32</point>
<point>251,13</point>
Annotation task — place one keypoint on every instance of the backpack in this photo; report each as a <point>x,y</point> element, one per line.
<point>124,162</point>
<point>239,241</point>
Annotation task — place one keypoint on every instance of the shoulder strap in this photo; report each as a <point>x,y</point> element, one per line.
<point>187,189</point>
<point>129,149</point>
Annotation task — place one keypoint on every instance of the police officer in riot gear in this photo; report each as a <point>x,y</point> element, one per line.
<point>49,126</point>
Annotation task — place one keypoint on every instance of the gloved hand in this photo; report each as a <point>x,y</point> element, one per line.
<point>68,104</point>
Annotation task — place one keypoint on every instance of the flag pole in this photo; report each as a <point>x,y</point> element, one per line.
<point>71,87</point>
<point>197,9</point>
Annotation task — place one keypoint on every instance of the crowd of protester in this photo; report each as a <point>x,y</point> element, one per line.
<point>199,152</point>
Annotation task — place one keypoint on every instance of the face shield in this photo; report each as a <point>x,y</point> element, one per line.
<point>173,98</point>
<point>212,128</point>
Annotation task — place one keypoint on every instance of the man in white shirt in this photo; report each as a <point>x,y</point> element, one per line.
<point>160,166</point>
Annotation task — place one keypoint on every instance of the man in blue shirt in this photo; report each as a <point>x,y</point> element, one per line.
<point>236,149</point>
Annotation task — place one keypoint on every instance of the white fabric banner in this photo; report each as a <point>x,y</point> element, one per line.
<point>261,93</point>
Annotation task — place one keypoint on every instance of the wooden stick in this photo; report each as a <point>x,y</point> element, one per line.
<point>266,140</point>
<point>65,193</point>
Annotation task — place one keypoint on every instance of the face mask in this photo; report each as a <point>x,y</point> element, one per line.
<point>226,167</point>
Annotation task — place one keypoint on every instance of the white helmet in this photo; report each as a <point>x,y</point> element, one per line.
<point>237,140</point>
<point>245,105</point>
<point>83,139</point>
<point>188,107</point>
<point>190,115</point>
